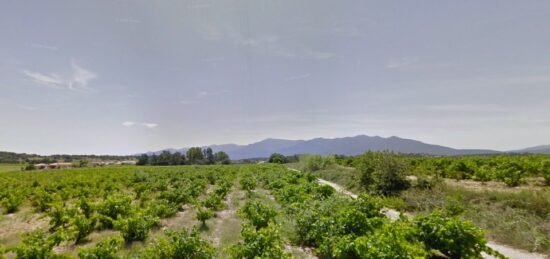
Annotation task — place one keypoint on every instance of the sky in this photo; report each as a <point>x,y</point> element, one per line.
<point>122,77</point>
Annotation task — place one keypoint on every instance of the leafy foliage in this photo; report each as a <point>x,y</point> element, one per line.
<point>203,214</point>
<point>450,235</point>
<point>136,227</point>
<point>181,244</point>
<point>383,173</point>
<point>258,214</point>
<point>38,244</point>
<point>106,249</point>
<point>259,243</point>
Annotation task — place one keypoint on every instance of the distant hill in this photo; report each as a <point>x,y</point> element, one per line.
<point>545,149</point>
<point>342,146</point>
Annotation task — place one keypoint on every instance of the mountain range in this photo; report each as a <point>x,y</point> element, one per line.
<point>347,146</point>
<point>545,149</point>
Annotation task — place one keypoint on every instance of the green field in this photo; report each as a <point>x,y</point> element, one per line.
<point>218,211</point>
<point>9,167</point>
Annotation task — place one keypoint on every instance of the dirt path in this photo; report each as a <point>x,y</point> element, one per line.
<point>509,252</point>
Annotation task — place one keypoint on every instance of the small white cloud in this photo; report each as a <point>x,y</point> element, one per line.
<point>80,77</point>
<point>128,123</point>
<point>150,125</point>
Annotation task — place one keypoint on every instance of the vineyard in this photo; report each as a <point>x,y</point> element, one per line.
<point>218,211</point>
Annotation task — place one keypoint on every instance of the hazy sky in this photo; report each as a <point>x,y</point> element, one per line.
<point>122,77</point>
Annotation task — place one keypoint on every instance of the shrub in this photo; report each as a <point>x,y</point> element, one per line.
<point>325,191</point>
<point>181,244</point>
<point>82,226</point>
<point>316,162</point>
<point>383,173</point>
<point>484,174</point>
<point>213,202</point>
<point>176,196</point>
<point>106,249</point>
<point>203,214</point>
<point>136,227</point>
<point>262,243</point>
<point>42,200</point>
<point>85,207</point>
<point>545,168</point>
<point>248,183</point>
<point>451,236</point>
<point>163,208</point>
<point>390,241</point>
<point>112,207</point>
<point>277,158</point>
<point>510,173</point>
<point>38,245</point>
<point>59,216</point>
<point>11,202</point>
<point>257,213</point>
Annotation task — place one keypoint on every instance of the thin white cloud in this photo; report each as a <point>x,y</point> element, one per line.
<point>77,79</point>
<point>51,80</point>
<point>128,20</point>
<point>150,125</point>
<point>80,77</point>
<point>128,123</point>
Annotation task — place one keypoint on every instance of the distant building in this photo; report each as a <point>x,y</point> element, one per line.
<point>41,166</point>
<point>60,165</point>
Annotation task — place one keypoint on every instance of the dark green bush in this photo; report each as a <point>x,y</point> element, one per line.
<point>383,173</point>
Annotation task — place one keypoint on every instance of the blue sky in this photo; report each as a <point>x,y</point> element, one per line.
<point>121,77</point>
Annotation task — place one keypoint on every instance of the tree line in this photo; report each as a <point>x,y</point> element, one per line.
<point>16,158</point>
<point>193,156</point>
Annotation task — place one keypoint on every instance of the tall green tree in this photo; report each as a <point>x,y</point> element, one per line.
<point>143,159</point>
<point>277,158</point>
<point>195,155</point>
<point>209,155</point>
<point>221,157</point>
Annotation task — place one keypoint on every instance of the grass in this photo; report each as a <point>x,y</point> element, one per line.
<point>10,167</point>
<point>519,219</point>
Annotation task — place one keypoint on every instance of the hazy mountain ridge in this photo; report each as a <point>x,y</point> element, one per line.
<point>342,146</point>
<point>544,149</point>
